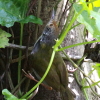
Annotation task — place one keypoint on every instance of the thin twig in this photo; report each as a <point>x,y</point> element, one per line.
<point>26,52</point>
<point>17,59</point>
<point>28,75</point>
<point>18,47</point>
<point>15,89</point>
<point>10,58</point>
<point>30,8</point>
<point>38,15</point>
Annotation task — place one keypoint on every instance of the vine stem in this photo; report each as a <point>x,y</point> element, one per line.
<point>76,66</point>
<point>45,74</point>
<point>66,30</point>
<point>20,52</point>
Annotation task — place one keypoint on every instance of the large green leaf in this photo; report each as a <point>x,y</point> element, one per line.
<point>9,13</point>
<point>12,11</point>
<point>3,38</point>
<point>90,18</point>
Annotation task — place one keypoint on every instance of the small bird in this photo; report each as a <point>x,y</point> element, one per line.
<point>57,78</point>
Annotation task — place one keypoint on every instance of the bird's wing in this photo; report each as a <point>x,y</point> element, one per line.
<point>36,46</point>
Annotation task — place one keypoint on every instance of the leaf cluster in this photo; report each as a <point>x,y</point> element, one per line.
<point>12,11</point>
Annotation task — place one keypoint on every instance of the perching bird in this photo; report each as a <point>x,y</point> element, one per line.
<point>57,78</point>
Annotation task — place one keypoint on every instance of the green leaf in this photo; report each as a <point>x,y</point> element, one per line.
<point>97,68</point>
<point>96,9</point>
<point>91,19</point>
<point>96,17</point>
<point>94,84</point>
<point>9,96</point>
<point>8,13</point>
<point>12,11</point>
<point>3,38</point>
<point>32,19</point>
<point>22,5</point>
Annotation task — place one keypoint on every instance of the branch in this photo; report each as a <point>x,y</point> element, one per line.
<point>18,47</point>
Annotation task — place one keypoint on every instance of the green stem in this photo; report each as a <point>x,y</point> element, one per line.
<point>76,66</point>
<point>69,18</point>
<point>45,74</point>
<point>83,43</point>
<point>20,53</point>
<point>92,88</point>
<point>64,33</point>
<point>86,95</point>
<point>18,85</point>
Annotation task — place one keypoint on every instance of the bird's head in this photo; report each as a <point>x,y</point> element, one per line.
<point>50,32</point>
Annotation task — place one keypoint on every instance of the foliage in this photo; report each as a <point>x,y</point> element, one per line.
<point>9,96</point>
<point>15,11</point>
<point>4,38</point>
<point>12,11</point>
<point>90,18</point>
<point>97,68</point>
<point>94,3</point>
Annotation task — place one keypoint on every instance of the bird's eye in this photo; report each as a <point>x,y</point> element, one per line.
<point>51,24</point>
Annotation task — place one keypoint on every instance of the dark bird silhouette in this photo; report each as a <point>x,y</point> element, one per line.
<point>57,78</point>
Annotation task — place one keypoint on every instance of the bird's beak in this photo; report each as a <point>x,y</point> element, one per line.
<point>53,14</point>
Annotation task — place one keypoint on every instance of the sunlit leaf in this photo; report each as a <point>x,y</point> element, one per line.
<point>91,19</point>
<point>9,96</point>
<point>4,38</point>
<point>94,3</point>
<point>97,68</point>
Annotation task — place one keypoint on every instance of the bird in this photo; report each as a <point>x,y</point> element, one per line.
<point>57,77</point>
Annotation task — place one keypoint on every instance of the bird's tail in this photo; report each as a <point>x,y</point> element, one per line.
<point>67,95</point>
